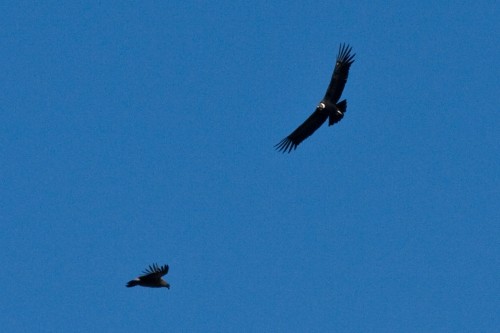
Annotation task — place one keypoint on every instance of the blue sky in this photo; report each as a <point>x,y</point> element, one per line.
<point>143,132</point>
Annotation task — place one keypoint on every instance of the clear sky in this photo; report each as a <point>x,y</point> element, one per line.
<point>141,132</point>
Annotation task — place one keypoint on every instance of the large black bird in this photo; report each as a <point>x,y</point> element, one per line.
<point>151,278</point>
<point>328,107</point>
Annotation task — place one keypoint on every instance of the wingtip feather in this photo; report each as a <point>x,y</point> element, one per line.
<point>345,55</point>
<point>285,146</point>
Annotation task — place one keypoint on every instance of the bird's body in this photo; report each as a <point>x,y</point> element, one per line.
<point>328,108</point>
<point>151,278</point>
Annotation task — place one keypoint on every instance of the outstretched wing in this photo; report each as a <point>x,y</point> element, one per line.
<point>340,74</point>
<point>154,272</point>
<point>302,132</point>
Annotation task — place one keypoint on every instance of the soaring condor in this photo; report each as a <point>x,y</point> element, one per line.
<point>151,278</point>
<point>328,107</point>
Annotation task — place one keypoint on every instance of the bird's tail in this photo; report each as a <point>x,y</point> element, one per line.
<point>338,114</point>
<point>132,283</point>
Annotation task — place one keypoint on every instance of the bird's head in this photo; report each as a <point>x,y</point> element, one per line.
<point>165,284</point>
<point>321,105</point>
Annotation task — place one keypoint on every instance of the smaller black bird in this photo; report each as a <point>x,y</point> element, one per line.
<point>151,278</point>
<point>329,108</point>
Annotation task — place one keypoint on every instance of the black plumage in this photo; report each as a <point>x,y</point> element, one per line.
<point>151,278</point>
<point>328,108</point>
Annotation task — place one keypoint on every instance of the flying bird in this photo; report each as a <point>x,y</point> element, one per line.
<point>151,278</point>
<point>328,107</point>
